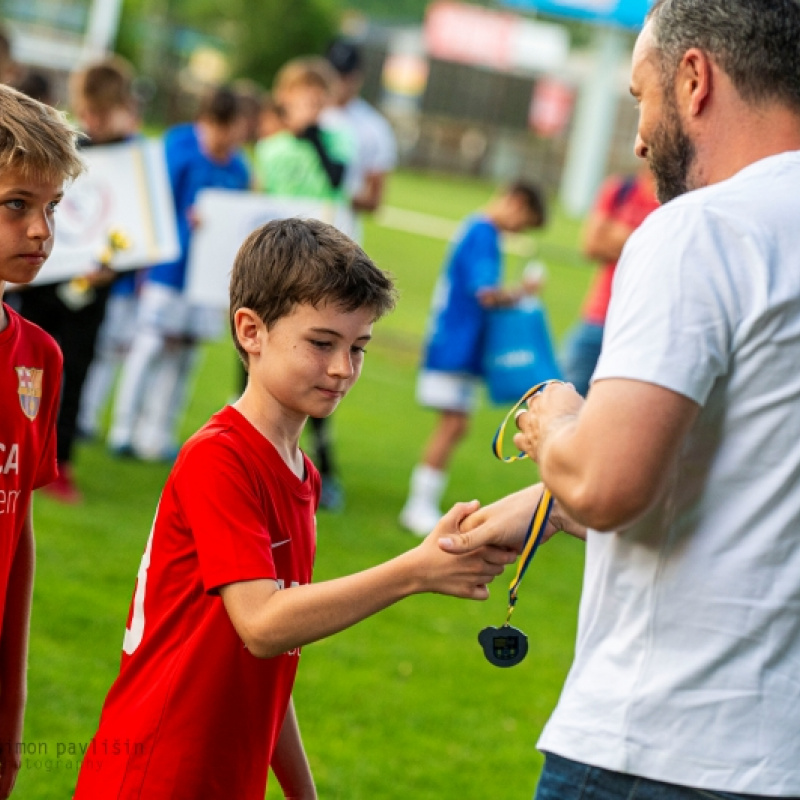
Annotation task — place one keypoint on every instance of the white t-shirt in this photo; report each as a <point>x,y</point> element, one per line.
<point>687,665</point>
<point>376,150</point>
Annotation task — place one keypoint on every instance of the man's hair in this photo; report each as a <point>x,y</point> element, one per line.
<point>221,106</point>
<point>35,139</point>
<point>755,42</point>
<point>306,71</point>
<point>289,262</point>
<point>533,197</point>
<point>104,86</point>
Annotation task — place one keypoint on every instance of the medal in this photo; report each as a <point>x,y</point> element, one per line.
<point>507,646</point>
<point>503,647</point>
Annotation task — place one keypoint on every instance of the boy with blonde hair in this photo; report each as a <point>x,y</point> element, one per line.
<point>224,599</point>
<point>37,156</point>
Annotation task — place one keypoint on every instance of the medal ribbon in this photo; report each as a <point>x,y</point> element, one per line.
<point>538,524</point>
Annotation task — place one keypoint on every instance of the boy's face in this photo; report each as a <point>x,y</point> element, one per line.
<point>310,359</point>
<point>516,215</point>
<point>302,106</point>
<point>27,210</point>
<point>220,141</point>
<point>103,126</point>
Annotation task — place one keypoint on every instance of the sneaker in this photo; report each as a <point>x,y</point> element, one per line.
<point>122,450</point>
<point>63,488</point>
<point>331,496</point>
<point>419,518</point>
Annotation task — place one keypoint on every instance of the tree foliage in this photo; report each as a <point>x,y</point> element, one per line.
<point>270,33</point>
<point>257,35</point>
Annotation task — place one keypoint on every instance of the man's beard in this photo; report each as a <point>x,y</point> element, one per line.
<point>671,155</point>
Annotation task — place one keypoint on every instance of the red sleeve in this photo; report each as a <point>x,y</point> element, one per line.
<point>47,469</point>
<point>219,501</point>
<point>607,196</point>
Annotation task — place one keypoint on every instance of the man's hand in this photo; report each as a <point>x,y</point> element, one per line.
<point>467,573</point>
<point>556,404</point>
<point>505,523</point>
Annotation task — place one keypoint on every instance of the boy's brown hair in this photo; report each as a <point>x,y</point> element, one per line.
<point>289,262</point>
<point>221,106</point>
<point>35,139</point>
<point>533,197</point>
<point>104,87</point>
<point>307,71</point>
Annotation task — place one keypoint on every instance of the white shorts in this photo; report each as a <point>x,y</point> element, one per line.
<point>448,391</point>
<point>168,311</point>
<point>119,323</point>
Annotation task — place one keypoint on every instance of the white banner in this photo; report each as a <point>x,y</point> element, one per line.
<point>125,187</point>
<point>226,218</point>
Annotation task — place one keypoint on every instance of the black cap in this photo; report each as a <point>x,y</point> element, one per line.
<point>344,56</point>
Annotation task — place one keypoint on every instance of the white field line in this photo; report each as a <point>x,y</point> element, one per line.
<point>401,219</point>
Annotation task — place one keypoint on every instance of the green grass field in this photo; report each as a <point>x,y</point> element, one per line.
<point>403,705</point>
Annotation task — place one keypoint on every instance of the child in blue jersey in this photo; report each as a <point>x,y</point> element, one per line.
<point>153,383</point>
<point>451,369</point>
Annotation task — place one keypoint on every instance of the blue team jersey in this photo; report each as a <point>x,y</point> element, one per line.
<point>191,170</point>
<point>458,321</point>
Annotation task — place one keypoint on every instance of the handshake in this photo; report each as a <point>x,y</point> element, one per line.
<point>472,544</point>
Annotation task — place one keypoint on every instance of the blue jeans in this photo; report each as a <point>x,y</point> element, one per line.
<point>563,779</point>
<point>580,353</point>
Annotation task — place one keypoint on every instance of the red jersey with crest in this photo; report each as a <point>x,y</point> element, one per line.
<point>30,379</point>
<point>193,714</point>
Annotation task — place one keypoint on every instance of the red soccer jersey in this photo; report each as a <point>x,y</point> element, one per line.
<point>193,714</point>
<point>30,377</point>
<point>631,204</point>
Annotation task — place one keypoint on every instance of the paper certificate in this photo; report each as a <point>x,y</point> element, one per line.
<point>126,188</point>
<point>226,218</point>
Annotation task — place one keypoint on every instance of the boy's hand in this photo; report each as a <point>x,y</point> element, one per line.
<point>463,575</point>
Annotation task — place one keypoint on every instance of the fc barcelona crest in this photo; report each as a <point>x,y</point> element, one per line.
<point>30,390</point>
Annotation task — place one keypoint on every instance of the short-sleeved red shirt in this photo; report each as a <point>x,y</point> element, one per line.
<point>193,714</point>
<point>629,201</point>
<point>30,380</point>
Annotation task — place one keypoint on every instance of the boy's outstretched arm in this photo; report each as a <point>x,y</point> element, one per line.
<point>289,762</point>
<point>14,656</point>
<point>271,621</point>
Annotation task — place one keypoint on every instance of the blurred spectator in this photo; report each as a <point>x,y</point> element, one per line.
<point>622,205</point>
<point>250,96</point>
<point>376,148</point>
<point>155,376</point>
<point>35,84</point>
<point>451,372</point>
<point>308,159</point>
<point>102,98</point>
<point>270,119</point>
<point>9,69</point>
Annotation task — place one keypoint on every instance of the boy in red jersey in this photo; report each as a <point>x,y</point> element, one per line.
<point>224,600</point>
<point>37,156</point>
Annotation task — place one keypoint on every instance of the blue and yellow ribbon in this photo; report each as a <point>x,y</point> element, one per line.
<point>538,524</point>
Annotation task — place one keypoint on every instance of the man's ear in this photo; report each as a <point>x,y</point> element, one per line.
<point>694,82</point>
<point>249,327</point>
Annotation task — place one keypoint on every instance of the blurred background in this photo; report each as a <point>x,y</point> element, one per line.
<point>497,90</point>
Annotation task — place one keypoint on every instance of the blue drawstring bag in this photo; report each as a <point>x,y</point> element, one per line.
<point>518,351</point>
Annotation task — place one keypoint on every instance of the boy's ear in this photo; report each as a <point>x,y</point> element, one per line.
<point>248,326</point>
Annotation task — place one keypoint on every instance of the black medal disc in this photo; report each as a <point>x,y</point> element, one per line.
<point>503,647</point>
